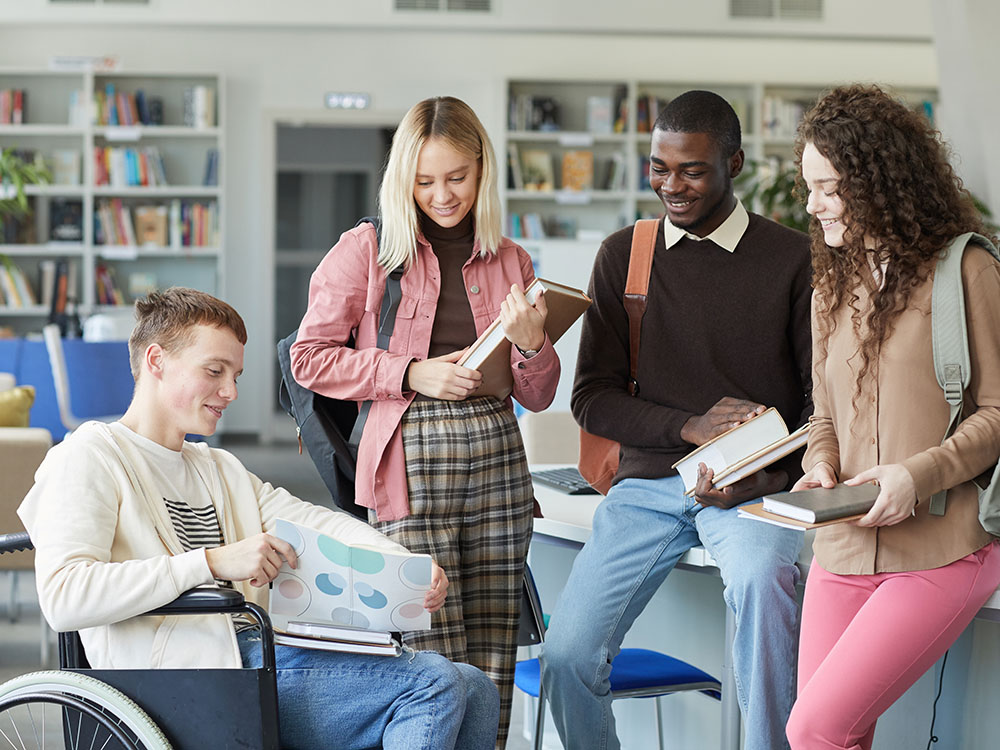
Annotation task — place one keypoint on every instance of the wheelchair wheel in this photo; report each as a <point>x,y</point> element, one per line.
<point>46,710</point>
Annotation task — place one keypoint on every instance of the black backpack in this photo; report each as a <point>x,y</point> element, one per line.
<point>330,428</point>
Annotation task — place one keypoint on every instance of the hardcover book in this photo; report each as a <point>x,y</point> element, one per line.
<point>821,504</point>
<point>490,353</point>
<point>743,450</point>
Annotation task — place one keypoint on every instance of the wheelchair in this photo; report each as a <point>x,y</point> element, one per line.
<point>144,709</point>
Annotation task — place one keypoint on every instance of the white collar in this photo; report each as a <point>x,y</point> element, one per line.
<point>727,235</point>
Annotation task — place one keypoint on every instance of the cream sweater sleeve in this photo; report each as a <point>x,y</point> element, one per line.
<point>77,514</point>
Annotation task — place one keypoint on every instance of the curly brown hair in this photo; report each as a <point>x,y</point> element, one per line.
<point>898,189</point>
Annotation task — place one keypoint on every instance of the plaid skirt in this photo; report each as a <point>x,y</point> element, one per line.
<point>470,508</point>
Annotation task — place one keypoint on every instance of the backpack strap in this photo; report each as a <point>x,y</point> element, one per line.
<point>640,265</point>
<point>386,322</point>
<point>950,337</point>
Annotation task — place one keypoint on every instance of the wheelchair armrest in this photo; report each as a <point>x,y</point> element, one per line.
<point>203,600</point>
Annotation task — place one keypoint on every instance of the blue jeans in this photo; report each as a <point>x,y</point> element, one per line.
<point>416,701</point>
<point>640,531</point>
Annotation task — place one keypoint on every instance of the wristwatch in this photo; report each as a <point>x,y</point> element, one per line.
<point>527,353</point>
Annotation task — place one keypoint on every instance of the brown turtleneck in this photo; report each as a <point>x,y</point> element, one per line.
<point>454,327</point>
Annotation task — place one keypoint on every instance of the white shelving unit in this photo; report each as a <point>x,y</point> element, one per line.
<point>769,114</point>
<point>52,125</point>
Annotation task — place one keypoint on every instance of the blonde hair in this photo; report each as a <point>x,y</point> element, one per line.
<point>168,319</point>
<point>454,122</point>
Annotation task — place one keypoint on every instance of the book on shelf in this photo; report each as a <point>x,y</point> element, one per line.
<point>108,290</point>
<point>211,178</point>
<point>345,585</point>
<point>490,353</point>
<point>743,450</point>
<point>620,109</point>
<point>536,170</point>
<point>17,290</point>
<point>66,220</point>
<point>66,166</point>
<point>614,173</point>
<point>533,112</point>
<point>13,106</point>
<point>578,170</point>
<point>151,225</point>
<point>198,106</point>
<point>514,179</point>
<point>600,118</point>
<point>46,281</point>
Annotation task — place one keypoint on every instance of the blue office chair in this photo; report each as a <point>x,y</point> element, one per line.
<point>635,672</point>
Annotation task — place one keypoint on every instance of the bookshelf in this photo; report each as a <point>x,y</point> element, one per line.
<point>613,119</point>
<point>137,194</point>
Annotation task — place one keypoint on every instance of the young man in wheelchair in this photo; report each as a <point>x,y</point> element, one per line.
<point>127,516</point>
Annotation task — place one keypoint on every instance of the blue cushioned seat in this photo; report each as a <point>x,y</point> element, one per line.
<point>635,672</point>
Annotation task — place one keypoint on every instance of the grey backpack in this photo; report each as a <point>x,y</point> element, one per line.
<point>952,367</point>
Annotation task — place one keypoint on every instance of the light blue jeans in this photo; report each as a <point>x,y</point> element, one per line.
<point>416,701</point>
<point>640,531</point>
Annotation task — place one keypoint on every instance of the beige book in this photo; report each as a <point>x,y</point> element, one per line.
<point>490,353</point>
<point>756,512</point>
<point>743,450</point>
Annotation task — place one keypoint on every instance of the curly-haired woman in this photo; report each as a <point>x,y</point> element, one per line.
<point>888,594</point>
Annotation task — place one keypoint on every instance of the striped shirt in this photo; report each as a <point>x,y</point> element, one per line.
<point>195,527</point>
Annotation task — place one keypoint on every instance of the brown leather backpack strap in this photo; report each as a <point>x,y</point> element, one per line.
<point>640,265</point>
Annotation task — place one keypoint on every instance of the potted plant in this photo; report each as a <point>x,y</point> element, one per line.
<point>15,175</point>
<point>769,188</point>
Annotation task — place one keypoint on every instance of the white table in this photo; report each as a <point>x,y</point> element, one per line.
<point>567,521</point>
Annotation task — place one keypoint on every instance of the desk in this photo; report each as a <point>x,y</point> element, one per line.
<point>567,521</point>
<point>100,380</point>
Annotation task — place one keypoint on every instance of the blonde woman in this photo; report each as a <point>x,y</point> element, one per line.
<point>441,470</point>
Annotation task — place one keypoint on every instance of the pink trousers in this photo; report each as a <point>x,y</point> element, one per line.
<point>866,639</point>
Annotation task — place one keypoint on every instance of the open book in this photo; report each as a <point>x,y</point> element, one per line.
<point>490,353</point>
<point>346,593</point>
<point>813,508</point>
<point>743,450</point>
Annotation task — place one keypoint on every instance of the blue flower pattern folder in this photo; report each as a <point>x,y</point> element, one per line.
<point>350,585</point>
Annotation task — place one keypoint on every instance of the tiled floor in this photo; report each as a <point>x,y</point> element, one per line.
<point>279,464</point>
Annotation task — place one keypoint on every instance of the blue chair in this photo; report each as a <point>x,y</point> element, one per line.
<point>635,672</point>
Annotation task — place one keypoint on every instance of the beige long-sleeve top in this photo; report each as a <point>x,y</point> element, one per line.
<point>900,417</point>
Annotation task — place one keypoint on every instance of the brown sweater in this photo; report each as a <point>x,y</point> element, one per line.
<point>717,324</point>
<point>901,418</point>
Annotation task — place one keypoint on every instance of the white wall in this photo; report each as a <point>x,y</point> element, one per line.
<point>289,70</point>
<point>896,19</point>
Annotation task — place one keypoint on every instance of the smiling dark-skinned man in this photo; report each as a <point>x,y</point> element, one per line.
<point>725,334</point>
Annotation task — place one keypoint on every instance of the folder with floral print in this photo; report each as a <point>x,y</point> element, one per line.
<point>339,590</point>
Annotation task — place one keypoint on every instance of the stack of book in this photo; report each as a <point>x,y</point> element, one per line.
<point>129,167</point>
<point>337,638</point>
<point>813,508</point>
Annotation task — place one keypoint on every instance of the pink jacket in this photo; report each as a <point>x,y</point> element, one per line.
<point>345,295</point>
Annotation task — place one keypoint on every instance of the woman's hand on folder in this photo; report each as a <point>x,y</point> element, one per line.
<point>438,592</point>
<point>524,323</point>
<point>751,487</point>
<point>440,377</point>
